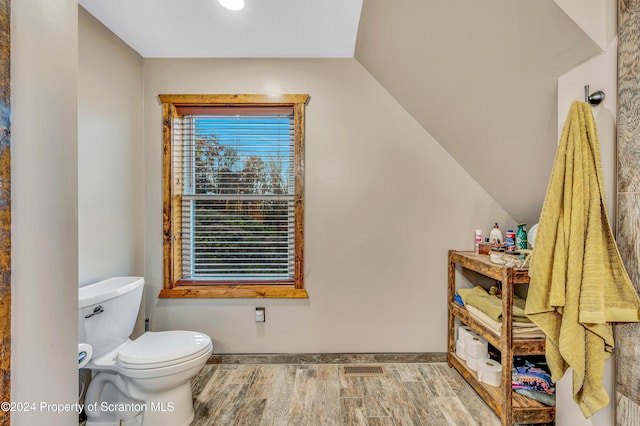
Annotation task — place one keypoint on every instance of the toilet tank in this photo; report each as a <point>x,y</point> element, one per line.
<point>107,312</point>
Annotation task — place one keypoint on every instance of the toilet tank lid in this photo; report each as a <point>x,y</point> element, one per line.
<point>163,346</point>
<point>104,290</point>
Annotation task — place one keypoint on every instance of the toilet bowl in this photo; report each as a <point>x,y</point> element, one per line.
<point>146,381</point>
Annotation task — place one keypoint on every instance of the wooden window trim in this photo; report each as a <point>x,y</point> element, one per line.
<point>173,287</point>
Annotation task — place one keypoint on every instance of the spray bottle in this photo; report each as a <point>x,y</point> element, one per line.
<point>495,236</point>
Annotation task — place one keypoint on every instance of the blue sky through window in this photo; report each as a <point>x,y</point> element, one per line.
<point>268,138</point>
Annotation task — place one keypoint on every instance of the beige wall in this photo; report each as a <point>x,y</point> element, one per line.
<point>599,73</point>
<point>384,202</point>
<point>110,155</point>
<point>597,18</point>
<point>44,77</point>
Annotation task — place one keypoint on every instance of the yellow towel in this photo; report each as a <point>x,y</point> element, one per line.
<point>578,281</point>
<point>492,305</point>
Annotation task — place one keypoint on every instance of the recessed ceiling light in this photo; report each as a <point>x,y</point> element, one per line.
<point>232,4</point>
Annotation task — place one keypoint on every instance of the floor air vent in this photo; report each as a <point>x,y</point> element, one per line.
<point>369,370</point>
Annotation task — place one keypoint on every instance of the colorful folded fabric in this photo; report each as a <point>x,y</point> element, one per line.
<point>527,376</point>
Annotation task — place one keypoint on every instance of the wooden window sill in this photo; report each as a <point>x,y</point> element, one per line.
<point>234,291</point>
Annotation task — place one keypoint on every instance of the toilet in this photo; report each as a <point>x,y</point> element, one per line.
<point>146,381</point>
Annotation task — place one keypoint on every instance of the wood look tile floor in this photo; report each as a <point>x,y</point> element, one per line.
<point>321,394</point>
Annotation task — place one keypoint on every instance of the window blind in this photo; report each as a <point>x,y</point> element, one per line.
<point>234,174</point>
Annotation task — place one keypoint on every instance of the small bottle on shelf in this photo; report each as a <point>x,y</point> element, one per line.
<point>495,236</point>
<point>510,240</point>
<point>521,237</point>
<point>478,239</point>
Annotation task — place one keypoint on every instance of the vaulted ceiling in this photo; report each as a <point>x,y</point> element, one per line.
<point>480,76</point>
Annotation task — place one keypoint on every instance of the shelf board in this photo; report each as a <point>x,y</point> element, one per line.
<point>481,264</point>
<point>524,410</point>
<point>519,347</point>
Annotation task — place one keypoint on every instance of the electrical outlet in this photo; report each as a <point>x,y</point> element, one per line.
<point>260,317</point>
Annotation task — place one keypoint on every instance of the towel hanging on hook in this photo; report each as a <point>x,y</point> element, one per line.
<point>593,98</point>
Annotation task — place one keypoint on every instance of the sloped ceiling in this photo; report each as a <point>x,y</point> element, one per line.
<point>481,77</point>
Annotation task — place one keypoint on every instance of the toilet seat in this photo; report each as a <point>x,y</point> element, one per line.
<point>163,349</point>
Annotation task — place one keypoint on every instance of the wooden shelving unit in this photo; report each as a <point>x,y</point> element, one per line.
<point>511,407</point>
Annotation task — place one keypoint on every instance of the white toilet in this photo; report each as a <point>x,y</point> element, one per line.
<point>146,381</point>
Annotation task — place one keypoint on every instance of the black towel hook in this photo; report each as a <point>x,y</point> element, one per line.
<point>593,98</point>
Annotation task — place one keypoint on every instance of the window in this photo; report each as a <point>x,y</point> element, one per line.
<point>233,195</point>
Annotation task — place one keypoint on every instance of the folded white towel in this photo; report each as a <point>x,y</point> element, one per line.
<point>520,331</point>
